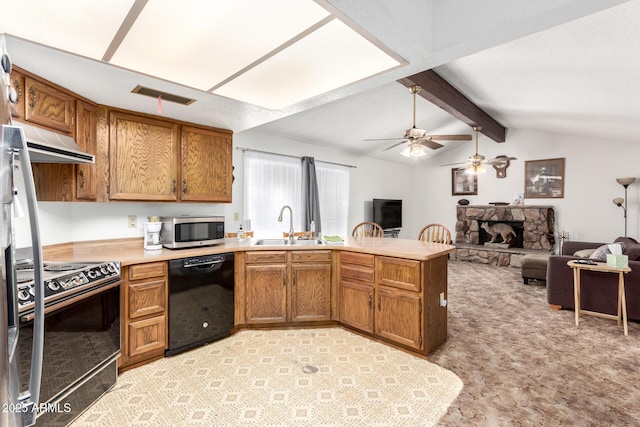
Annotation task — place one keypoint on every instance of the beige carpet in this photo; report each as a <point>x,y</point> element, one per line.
<point>524,364</point>
<point>258,378</point>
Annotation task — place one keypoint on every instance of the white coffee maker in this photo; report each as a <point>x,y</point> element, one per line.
<point>152,234</point>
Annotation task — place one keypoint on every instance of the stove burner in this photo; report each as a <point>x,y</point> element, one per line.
<point>64,267</point>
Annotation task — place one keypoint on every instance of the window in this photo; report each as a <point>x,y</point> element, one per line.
<point>333,189</point>
<point>272,181</point>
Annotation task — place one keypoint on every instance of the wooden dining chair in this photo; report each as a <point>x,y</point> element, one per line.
<point>301,234</point>
<point>367,229</point>
<point>234,235</point>
<point>437,233</point>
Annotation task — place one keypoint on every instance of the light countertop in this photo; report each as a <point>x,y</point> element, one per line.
<point>131,251</point>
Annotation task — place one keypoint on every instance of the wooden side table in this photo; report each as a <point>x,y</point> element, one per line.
<point>602,267</point>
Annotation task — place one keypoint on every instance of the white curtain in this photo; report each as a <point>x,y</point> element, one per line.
<point>272,181</point>
<point>333,189</point>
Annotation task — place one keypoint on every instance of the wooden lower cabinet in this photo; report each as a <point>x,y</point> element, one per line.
<point>357,290</point>
<point>144,313</point>
<point>266,293</point>
<point>356,305</point>
<point>287,286</point>
<point>398,316</point>
<point>394,299</point>
<point>310,292</point>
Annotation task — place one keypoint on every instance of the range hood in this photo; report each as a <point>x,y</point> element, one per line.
<point>46,146</point>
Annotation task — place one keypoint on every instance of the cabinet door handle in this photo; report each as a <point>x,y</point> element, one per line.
<point>370,301</point>
<point>294,278</point>
<point>32,104</point>
<point>284,279</point>
<point>184,186</point>
<point>81,180</point>
<point>18,86</point>
<point>378,303</point>
<point>174,185</point>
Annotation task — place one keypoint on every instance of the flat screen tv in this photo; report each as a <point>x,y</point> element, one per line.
<point>387,213</point>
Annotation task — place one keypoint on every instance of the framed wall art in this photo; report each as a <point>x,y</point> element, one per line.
<point>544,179</point>
<point>462,183</point>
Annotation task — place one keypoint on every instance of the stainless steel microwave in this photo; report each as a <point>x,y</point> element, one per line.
<point>188,232</point>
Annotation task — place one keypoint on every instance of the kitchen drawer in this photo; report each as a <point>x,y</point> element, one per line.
<point>262,257</point>
<point>147,298</point>
<point>357,258</point>
<point>150,269</point>
<point>147,335</point>
<point>399,273</point>
<point>311,256</point>
<point>356,272</point>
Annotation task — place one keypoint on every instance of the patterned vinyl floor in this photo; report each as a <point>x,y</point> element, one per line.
<point>305,377</point>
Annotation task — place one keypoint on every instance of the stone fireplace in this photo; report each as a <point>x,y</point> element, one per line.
<point>533,227</point>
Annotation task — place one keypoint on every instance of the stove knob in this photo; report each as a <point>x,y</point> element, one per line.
<point>23,295</point>
<point>93,274</point>
<point>32,291</point>
<point>103,270</point>
<point>111,268</point>
<point>53,285</point>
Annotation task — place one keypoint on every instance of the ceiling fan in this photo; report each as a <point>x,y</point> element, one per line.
<point>417,138</point>
<point>475,162</point>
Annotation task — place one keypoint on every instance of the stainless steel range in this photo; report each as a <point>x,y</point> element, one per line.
<point>63,280</point>
<point>82,334</point>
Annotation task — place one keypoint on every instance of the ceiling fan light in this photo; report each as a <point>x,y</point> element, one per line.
<point>475,169</point>
<point>414,150</point>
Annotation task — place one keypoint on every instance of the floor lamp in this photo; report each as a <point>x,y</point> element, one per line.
<point>625,182</point>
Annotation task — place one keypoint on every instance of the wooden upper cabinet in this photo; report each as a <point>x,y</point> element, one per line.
<point>17,83</point>
<point>49,107</point>
<point>86,174</point>
<point>143,158</point>
<point>206,162</point>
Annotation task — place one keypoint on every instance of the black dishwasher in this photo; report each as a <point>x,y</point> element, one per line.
<point>200,301</point>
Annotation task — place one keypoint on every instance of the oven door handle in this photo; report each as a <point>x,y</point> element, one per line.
<point>67,302</point>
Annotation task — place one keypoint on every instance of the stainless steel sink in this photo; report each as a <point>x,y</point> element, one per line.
<point>308,242</point>
<point>285,242</point>
<point>272,242</point>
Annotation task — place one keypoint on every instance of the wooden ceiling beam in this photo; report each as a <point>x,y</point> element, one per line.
<point>438,91</point>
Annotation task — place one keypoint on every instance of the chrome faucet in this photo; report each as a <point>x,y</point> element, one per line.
<point>290,221</point>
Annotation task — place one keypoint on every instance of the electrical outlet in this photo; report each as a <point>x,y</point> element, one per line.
<point>443,302</point>
<point>133,221</point>
<point>236,216</point>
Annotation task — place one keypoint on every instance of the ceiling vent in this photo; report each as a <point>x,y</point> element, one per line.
<point>165,96</point>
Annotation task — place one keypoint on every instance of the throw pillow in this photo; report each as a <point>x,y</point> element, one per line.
<point>600,254</point>
<point>585,253</point>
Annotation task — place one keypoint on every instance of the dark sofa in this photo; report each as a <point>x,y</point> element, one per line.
<point>598,290</point>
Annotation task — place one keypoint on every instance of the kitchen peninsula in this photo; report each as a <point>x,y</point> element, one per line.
<point>394,290</point>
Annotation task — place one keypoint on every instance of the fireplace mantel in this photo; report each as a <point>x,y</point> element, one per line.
<point>538,222</point>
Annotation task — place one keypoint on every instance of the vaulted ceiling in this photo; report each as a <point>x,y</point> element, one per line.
<point>566,66</point>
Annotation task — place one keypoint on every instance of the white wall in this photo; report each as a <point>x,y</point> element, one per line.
<point>591,168</point>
